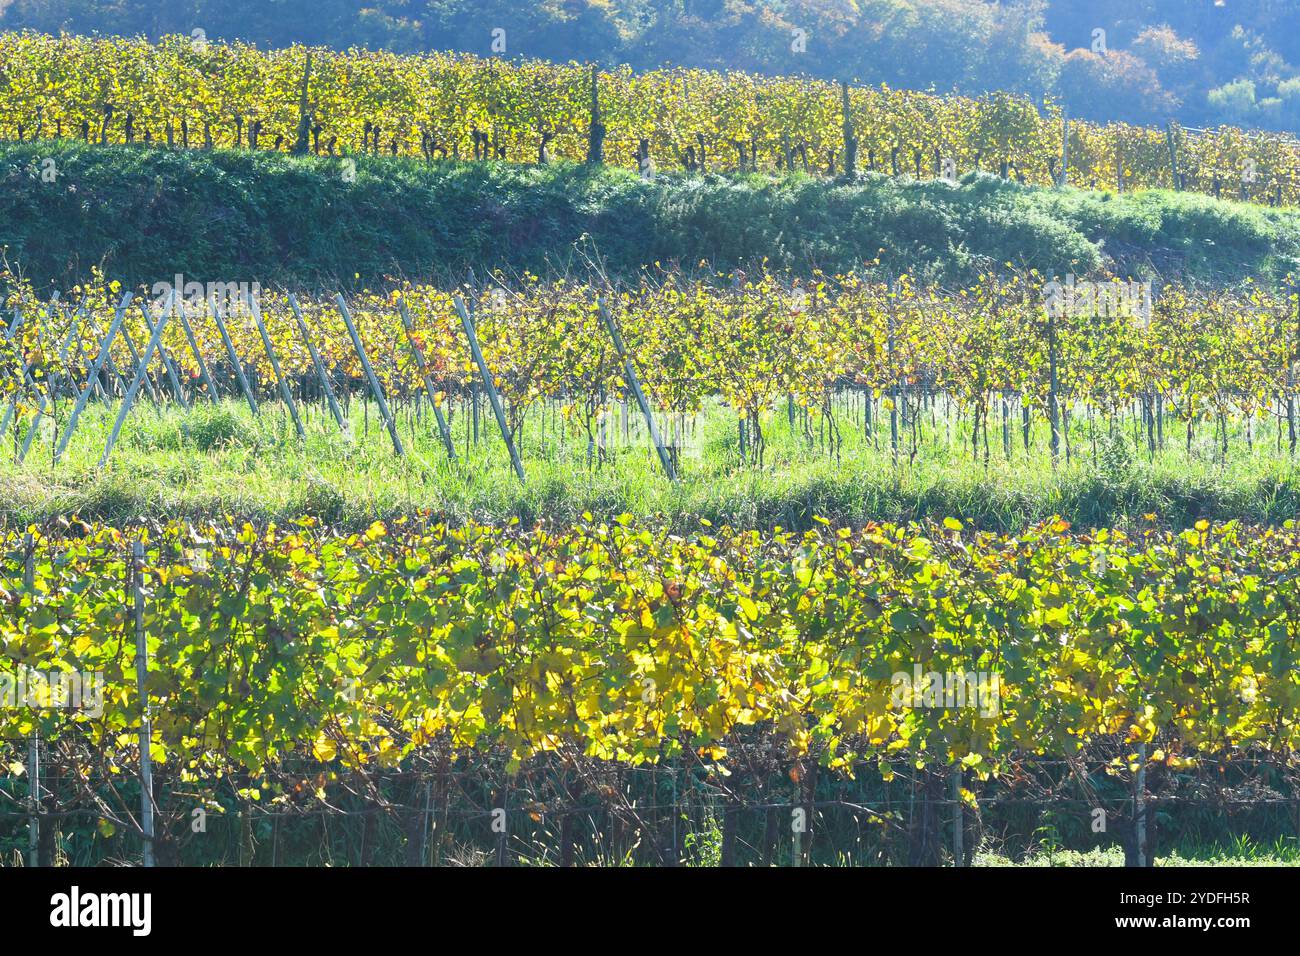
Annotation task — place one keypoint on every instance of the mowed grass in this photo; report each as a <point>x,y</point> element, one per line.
<point>220,459</point>
<point>1243,852</point>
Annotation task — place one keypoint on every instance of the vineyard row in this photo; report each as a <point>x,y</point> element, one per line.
<point>237,652</point>
<point>531,639</point>
<point>1178,358</point>
<point>439,106</point>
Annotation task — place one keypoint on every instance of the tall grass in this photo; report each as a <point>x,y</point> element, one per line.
<point>223,460</point>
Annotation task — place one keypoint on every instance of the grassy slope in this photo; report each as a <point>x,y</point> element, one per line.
<point>147,213</point>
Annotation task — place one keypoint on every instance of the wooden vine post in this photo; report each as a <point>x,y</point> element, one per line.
<point>235,363</point>
<point>893,387</point>
<point>162,349</point>
<point>371,378</point>
<point>1292,358</point>
<point>34,741</point>
<point>194,347</point>
<point>9,334</point>
<point>302,141</point>
<point>489,384</point>
<point>95,369</point>
<point>98,386</point>
<point>596,133</point>
<point>1065,147</point>
<point>1119,161</point>
<point>443,430</point>
<point>135,359</point>
<point>1053,410</point>
<point>48,397</point>
<point>26,372</point>
<point>285,392</point>
<point>1173,155</point>
<point>318,365</point>
<point>634,383</point>
<point>1140,853</point>
<point>142,370</point>
<point>958,819</point>
<point>142,689</point>
<point>850,141</point>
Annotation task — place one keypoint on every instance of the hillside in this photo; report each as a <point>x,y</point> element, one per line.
<point>236,215</point>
